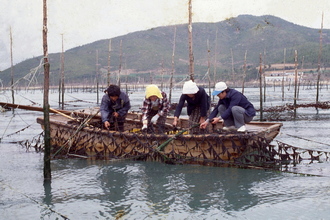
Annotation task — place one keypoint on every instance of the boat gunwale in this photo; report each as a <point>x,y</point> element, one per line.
<point>273,126</point>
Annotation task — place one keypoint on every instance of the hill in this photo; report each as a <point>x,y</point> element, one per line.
<point>147,55</point>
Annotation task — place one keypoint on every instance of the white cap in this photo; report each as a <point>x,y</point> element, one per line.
<point>190,87</point>
<point>219,87</point>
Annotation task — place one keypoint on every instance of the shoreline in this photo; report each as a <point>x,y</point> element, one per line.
<point>251,84</point>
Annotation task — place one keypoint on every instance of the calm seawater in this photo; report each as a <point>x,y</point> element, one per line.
<point>83,189</point>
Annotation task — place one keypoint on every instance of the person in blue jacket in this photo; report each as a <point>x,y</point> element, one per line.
<point>233,107</point>
<point>114,107</point>
<point>198,104</point>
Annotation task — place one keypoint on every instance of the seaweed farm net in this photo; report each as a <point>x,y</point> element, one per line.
<point>215,148</point>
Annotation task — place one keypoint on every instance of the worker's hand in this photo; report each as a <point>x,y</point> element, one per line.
<point>107,125</point>
<point>204,124</point>
<point>154,119</point>
<point>145,125</point>
<point>115,114</point>
<point>175,121</point>
<point>215,120</point>
<point>201,120</point>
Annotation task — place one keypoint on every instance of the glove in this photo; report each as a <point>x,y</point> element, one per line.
<point>145,125</point>
<point>154,119</point>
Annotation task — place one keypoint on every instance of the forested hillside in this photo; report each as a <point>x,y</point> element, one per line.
<point>220,47</point>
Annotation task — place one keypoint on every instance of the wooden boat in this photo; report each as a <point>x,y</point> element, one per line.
<point>81,135</point>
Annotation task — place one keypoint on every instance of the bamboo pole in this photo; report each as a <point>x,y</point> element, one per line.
<point>162,75</point>
<point>151,78</point>
<point>300,76</point>
<point>11,68</point>
<point>264,78</point>
<point>260,87</point>
<point>62,75</point>
<point>283,75</point>
<point>97,76</point>
<point>109,52</point>
<point>60,113</point>
<point>47,157</point>
<point>215,60</point>
<point>39,109</point>
<point>244,72</point>
<point>59,85</point>
<point>215,57</point>
<point>208,66</point>
<point>172,72</point>
<point>232,66</point>
<point>295,83</point>
<point>191,54</point>
<point>126,76</point>
<point>120,62</point>
<point>319,64</point>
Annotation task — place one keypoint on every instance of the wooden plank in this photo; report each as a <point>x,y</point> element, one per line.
<point>39,109</point>
<point>31,108</point>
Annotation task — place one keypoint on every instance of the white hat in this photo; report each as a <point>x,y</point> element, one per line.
<point>190,87</point>
<point>219,87</point>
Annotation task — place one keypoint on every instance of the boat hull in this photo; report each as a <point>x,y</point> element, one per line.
<point>72,139</point>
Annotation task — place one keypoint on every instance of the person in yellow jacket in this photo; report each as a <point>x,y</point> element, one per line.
<point>154,110</point>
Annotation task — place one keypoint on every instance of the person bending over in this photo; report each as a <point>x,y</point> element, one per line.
<point>154,110</point>
<point>233,107</point>
<point>198,104</point>
<point>114,107</point>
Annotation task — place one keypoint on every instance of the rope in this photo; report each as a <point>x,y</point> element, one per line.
<point>80,127</point>
<point>6,128</point>
<point>31,76</point>
<point>39,203</point>
<point>307,139</point>
<point>78,100</point>
<point>16,132</point>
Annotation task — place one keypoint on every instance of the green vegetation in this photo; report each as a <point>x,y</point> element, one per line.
<point>146,54</point>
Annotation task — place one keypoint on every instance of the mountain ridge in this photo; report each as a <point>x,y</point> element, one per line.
<point>221,46</point>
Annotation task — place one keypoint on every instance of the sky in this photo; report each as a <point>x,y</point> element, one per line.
<point>85,21</point>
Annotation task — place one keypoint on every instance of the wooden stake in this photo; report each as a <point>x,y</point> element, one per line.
<point>62,75</point>
<point>215,57</point>
<point>120,62</point>
<point>108,76</point>
<point>232,66</point>
<point>319,64</point>
<point>172,72</point>
<point>191,54</point>
<point>260,87</point>
<point>208,66</point>
<point>283,75</point>
<point>12,68</point>
<point>47,168</point>
<point>97,76</point>
<point>295,83</point>
<point>244,73</point>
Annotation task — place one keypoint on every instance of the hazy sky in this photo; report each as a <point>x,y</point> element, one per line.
<point>86,21</point>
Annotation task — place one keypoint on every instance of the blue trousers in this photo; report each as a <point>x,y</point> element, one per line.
<point>238,118</point>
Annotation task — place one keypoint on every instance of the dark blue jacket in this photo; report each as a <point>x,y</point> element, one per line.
<point>122,105</point>
<point>233,98</point>
<point>201,101</point>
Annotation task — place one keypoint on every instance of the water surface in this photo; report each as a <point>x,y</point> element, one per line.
<point>82,189</point>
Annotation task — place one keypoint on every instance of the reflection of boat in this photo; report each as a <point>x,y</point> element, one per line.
<point>86,139</point>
